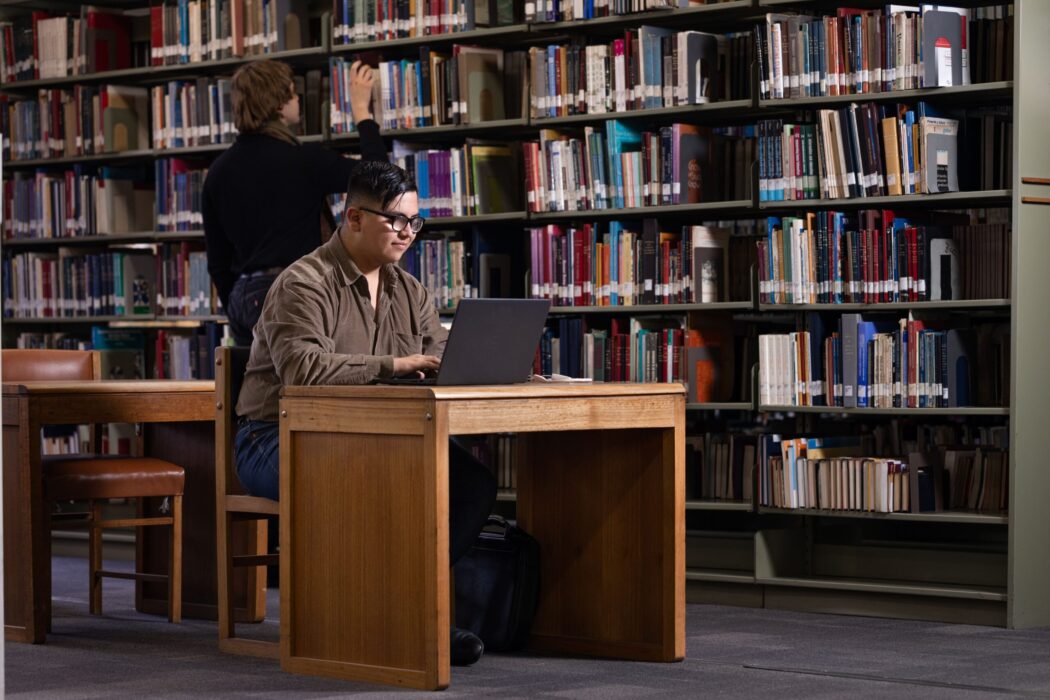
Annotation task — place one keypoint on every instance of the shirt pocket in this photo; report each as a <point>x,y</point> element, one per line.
<point>408,344</point>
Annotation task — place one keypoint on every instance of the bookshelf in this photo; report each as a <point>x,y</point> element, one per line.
<point>952,565</point>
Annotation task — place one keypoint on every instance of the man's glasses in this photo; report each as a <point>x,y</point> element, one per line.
<point>399,221</point>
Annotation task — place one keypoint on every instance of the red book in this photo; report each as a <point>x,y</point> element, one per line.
<point>109,41</point>
<point>156,35</point>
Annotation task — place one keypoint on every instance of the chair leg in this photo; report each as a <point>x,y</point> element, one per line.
<point>225,573</point>
<point>95,559</point>
<point>175,563</point>
<point>47,579</point>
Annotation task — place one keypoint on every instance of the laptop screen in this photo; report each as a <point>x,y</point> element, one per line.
<point>492,341</point>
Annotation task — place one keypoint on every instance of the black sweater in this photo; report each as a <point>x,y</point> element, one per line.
<point>262,201</point>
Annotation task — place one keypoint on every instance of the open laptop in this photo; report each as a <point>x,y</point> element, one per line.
<point>492,341</point>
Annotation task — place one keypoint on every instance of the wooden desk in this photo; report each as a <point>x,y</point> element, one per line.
<point>364,522</point>
<point>182,430</point>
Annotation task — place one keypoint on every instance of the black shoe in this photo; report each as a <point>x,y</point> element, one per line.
<point>465,648</point>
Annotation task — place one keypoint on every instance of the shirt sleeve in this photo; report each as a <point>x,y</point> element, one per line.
<point>333,170</point>
<point>434,334</point>
<point>372,146</point>
<point>298,322</point>
<point>219,250</point>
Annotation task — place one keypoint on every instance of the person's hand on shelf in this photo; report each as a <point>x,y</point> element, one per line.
<point>362,78</point>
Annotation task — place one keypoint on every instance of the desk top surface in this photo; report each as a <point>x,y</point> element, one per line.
<point>122,386</point>
<point>512,391</point>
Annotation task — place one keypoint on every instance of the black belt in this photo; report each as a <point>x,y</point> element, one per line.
<point>261,273</point>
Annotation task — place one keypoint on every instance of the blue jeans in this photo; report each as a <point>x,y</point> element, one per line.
<point>246,302</point>
<point>258,459</point>
<point>471,486</point>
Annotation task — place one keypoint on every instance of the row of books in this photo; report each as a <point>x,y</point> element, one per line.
<point>650,352</point>
<point>443,266</point>
<point>646,349</point>
<point>87,201</point>
<point>469,85</point>
<point>357,21</point>
<point>82,201</point>
<point>179,194</point>
<point>839,473</point>
<point>191,31</point>
<point>171,280</point>
<point>906,363</point>
<point>131,353</point>
<point>187,113</point>
<point>479,178</point>
<point>627,167</point>
<point>720,466</point>
<point>858,151</point>
<point>649,68</point>
<point>622,266</point>
<point>83,120</point>
<point>570,10</point>
<point>499,453</point>
<point>903,47</point>
<point>865,484</point>
<point>39,46</point>
<point>875,257</point>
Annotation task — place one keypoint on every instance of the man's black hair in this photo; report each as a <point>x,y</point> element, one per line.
<point>378,181</point>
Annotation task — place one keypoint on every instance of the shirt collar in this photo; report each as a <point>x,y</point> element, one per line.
<point>349,269</point>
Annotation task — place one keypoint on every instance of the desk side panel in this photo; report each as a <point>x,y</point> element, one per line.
<point>356,532</point>
<point>600,507</point>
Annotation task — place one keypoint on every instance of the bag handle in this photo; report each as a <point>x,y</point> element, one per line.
<point>495,527</point>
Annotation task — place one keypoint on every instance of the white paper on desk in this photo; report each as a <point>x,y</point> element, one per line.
<point>556,378</point>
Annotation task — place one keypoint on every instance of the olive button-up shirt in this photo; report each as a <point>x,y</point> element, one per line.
<point>318,326</point>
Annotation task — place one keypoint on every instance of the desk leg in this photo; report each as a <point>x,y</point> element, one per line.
<point>27,544</point>
<point>608,509</point>
<point>364,551</point>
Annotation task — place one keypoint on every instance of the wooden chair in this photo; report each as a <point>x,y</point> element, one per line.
<point>233,506</point>
<point>96,479</point>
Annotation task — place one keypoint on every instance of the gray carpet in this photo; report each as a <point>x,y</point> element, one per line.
<point>731,652</point>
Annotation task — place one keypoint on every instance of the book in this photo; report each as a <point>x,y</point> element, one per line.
<point>945,281</point>
<point>496,178</point>
<point>939,154</point>
<point>121,352</point>
<point>480,84</point>
<point>125,118</point>
<point>710,263</point>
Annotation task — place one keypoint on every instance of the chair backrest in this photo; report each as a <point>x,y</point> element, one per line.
<point>230,364</point>
<point>53,365</point>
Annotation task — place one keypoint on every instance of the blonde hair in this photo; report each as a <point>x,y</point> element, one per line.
<point>258,92</point>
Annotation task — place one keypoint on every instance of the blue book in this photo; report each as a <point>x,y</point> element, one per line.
<point>620,138</point>
<point>552,90</point>
<point>615,230</point>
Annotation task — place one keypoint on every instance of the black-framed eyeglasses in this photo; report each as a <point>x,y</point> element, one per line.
<point>399,221</point>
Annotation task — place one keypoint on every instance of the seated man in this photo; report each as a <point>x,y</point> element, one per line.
<point>346,314</point>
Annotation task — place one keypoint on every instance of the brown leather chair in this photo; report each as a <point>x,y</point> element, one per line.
<point>96,479</point>
<point>233,506</point>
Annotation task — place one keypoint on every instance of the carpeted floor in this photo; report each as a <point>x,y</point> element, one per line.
<point>731,652</point>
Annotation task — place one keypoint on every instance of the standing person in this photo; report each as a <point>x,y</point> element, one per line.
<point>346,314</point>
<point>264,198</point>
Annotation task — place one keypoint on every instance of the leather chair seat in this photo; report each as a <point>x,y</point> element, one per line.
<point>83,478</point>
